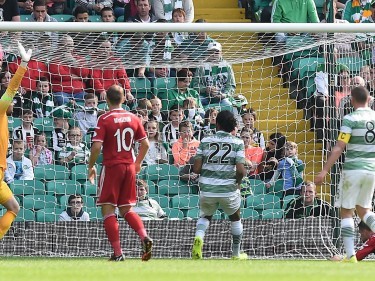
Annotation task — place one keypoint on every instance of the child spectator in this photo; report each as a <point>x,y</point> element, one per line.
<point>75,151</point>
<point>253,155</point>
<point>107,15</point>
<point>186,146</point>
<point>209,125</point>
<point>75,211</point>
<point>61,119</point>
<point>15,109</point>
<point>26,131</point>
<point>156,153</point>
<point>291,169</point>
<point>156,113</point>
<point>41,101</point>
<point>170,131</point>
<point>40,154</point>
<point>179,16</point>
<point>192,112</point>
<point>87,116</point>
<point>142,114</point>
<point>147,208</point>
<point>248,118</point>
<point>19,167</point>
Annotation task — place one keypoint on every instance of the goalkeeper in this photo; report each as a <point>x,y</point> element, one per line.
<point>6,196</point>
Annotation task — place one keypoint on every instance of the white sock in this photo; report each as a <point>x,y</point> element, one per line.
<point>202,225</point>
<point>237,230</point>
<point>347,233</point>
<point>369,219</point>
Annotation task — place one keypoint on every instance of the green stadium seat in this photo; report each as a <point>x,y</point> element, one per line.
<point>277,189</point>
<point>173,187</point>
<point>354,63</point>
<point>60,187</point>
<point>25,17</point>
<point>287,199</point>
<point>25,215</point>
<point>95,213</point>
<point>89,189</point>
<point>194,213</point>
<point>140,87</point>
<point>152,189</point>
<point>257,186</point>
<point>13,122</point>
<point>87,140</point>
<point>185,201</point>
<point>272,214</point>
<point>249,213</point>
<point>62,17</point>
<point>120,19</point>
<point>79,173</point>
<point>160,88</point>
<point>162,200</point>
<point>48,214</point>
<point>44,124</point>
<point>174,213</point>
<point>95,18</point>
<point>88,201</point>
<point>27,187</point>
<point>51,172</point>
<point>263,202</point>
<point>37,202</point>
<point>160,172</point>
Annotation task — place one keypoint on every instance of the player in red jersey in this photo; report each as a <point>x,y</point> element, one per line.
<point>116,132</point>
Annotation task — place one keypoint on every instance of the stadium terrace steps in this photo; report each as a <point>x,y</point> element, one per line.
<point>204,4</point>
<point>220,13</point>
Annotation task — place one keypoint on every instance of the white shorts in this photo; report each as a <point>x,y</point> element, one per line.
<point>355,188</point>
<point>229,204</point>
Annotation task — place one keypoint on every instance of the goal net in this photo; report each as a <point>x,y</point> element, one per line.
<point>296,82</point>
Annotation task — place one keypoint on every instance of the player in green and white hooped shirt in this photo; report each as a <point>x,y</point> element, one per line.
<point>357,181</point>
<point>220,162</point>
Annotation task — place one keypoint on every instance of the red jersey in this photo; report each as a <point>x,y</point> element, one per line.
<point>367,248</point>
<point>118,130</point>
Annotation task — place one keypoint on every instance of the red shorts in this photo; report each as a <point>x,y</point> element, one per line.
<point>117,185</point>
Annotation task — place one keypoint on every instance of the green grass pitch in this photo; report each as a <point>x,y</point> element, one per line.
<point>63,269</point>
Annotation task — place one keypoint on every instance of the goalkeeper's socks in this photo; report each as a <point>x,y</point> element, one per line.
<point>111,228</point>
<point>369,219</point>
<point>237,230</point>
<point>5,222</point>
<point>347,233</point>
<point>202,225</point>
<point>136,223</point>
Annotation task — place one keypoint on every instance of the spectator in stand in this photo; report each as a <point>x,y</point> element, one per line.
<point>170,131</point>
<point>179,16</point>
<point>126,8</point>
<point>343,85</point>
<point>19,167</point>
<point>209,124</point>
<point>26,132</point>
<point>75,151</point>
<point>253,154</point>
<point>215,83</point>
<point>192,113</point>
<point>157,153</point>
<point>9,11</point>
<point>365,73</point>
<point>182,92</point>
<point>147,208</point>
<point>15,109</point>
<point>61,119</point>
<point>300,11</point>
<point>156,113</point>
<point>87,116</point>
<point>160,46</point>
<point>273,153</point>
<point>56,7</point>
<point>41,101</point>
<point>143,12</point>
<point>308,204</point>
<point>345,106</point>
<point>94,7</point>
<point>107,15</point>
<point>291,170</point>
<point>75,211</point>
<point>67,74</point>
<point>248,118</point>
<point>110,71</point>
<point>371,83</point>
<point>162,9</point>
<point>40,154</point>
<point>186,145</point>
<point>25,6</point>
<point>359,11</point>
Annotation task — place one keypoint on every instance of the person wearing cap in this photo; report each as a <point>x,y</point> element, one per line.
<point>308,204</point>
<point>61,117</point>
<point>74,212</point>
<point>215,80</point>
<point>359,11</point>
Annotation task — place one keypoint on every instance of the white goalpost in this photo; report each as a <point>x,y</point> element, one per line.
<point>281,81</point>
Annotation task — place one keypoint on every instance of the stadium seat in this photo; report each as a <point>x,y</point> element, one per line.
<point>95,213</point>
<point>120,19</point>
<point>48,214</point>
<point>162,200</point>
<point>62,17</point>
<point>25,215</point>
<point>88,201</point>
<point>152,189</point>
<point>95,18</point>
<point>160,88</point>
<point>174,213</point>
<point>51,172</point>
<point>185,201</point>
<point>60,187</point>
<point>13,122</point>
<point>89,189</point>
<point>173,187</point>
<point>140,87</point>
<point>262,202</point>
<point>287,199</point>
<point>87,140</point>
<point>37,202</point>
<point>195,212</point>
<point>249,213</point>
<point>44,124</point>
<point>277,189</point>
<point>354,63</point>
<point>272,214</point>
<point>25,17</point>
<point>257,186</point>
<point>79,173</point>
<point>27,187</point>
<point>160,172</point>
